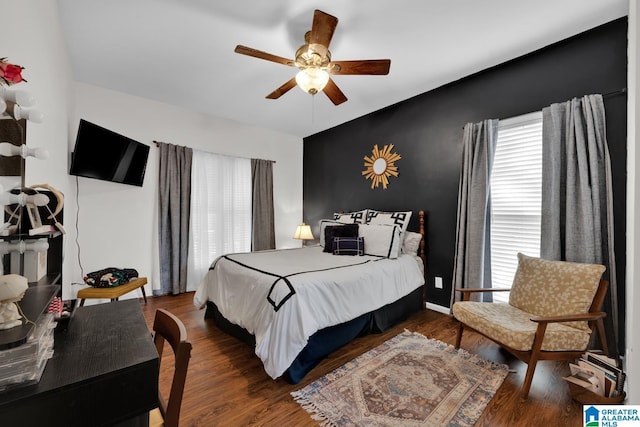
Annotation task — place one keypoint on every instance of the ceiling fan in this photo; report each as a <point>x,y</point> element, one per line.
<point>313,59</point>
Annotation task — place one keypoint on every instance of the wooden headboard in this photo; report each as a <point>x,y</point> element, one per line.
<point>421,229</point>
<point>422,252</point>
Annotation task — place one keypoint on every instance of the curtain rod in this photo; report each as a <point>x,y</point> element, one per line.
<point>615,92</point>
<point>622,91</point>
<point>157,144</point>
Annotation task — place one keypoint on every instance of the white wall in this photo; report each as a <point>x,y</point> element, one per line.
<point>117,223</point>
<point>632,359</point>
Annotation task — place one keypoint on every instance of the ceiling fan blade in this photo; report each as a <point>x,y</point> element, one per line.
<point>322,28</point>
<point>334,93</point>
<point>282,89</point>
<point>244,50</point>
<point>371,66</point>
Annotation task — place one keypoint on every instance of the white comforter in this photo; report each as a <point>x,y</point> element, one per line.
<point>283,297</point>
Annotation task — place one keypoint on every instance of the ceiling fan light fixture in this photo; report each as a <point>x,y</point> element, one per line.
<point>312,80</point>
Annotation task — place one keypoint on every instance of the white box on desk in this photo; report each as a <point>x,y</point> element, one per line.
<point>35,265</point>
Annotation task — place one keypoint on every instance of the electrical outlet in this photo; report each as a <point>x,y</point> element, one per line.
<point>438,282</point>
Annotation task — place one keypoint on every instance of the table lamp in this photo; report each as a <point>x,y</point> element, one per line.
<point>303,232</point>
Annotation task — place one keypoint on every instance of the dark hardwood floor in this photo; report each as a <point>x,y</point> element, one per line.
<point>227,386</point>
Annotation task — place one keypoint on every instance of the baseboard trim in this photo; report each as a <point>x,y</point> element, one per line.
<point>438,308</point>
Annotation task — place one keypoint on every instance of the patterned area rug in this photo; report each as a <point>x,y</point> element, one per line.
<point>409,380</point>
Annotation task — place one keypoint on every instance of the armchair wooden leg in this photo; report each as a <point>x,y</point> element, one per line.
<point>459,337</point>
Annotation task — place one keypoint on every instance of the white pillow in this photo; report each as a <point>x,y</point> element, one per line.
<point>357,217</point>
<point>323,224</point>
<point>411,243</point>
<point>380,240</point>
<point>400,218</point>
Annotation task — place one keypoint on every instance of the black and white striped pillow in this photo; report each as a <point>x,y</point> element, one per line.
<point>357,217</point>
<point>381,240</point>
<point>400,218</point>
<point>348,246</point>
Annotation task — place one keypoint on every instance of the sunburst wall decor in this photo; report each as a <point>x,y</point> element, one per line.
<point>380,166</point>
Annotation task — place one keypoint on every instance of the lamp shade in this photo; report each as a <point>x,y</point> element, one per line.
<point>312,80</point>
<point>303,232</point>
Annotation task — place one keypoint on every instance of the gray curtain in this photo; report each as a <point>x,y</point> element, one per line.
<point>174,195</point>
<point>472,263</point>
<point>263,234</point>
<point>577,198</point>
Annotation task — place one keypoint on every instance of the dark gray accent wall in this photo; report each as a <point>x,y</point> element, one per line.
<point>427,131</point>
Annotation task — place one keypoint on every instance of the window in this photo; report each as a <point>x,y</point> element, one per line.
<point>220,211</point>
<point>516,186</point>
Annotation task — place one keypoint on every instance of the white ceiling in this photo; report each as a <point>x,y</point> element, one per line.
<point>180,52</point>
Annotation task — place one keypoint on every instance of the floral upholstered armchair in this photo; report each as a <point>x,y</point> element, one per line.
<point>554,307</point>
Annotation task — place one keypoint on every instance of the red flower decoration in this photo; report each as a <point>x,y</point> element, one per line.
<point>10,73</point>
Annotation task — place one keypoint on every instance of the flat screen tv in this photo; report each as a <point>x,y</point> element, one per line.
<point>103,154</point>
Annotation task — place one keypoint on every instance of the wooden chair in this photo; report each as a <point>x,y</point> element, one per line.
<point>559,328</point>
<point>167,327</point>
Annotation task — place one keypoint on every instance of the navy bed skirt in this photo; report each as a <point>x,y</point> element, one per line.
<point>328,340</point>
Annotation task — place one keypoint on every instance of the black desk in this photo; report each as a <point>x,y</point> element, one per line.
<point>104,371</point>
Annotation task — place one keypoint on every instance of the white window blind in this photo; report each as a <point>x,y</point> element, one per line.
<point>516,185</point>
<point>220,211</point>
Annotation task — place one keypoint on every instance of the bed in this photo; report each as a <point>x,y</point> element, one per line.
<point>296,306</point>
